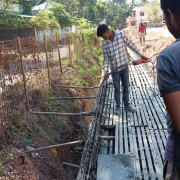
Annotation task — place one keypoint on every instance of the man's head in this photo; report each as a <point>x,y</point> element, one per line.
<point>171,10</point>
<point>103,31</point>
<point>141,23</point>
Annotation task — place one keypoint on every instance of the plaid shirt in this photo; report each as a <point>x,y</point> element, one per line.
<point>115,53</point>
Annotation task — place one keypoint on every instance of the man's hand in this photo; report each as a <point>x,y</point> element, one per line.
<point>144,57</point>
<point>106,75</point>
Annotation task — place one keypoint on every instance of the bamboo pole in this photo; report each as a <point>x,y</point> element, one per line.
<point>47,59</point>
<point>56,146</point>
<point>69,164</point>
<point>69,47</point>
<point>23,72</point>
<point>64,114</point>
<point>59,52</point>
<point>69,98</point>
<point>76,87</point>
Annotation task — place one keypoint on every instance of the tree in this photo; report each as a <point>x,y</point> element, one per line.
<point>100,12</point>
<point>153,10</point>
<point>45,19</point>
<point>70,6</point>
<point>118,2</point>
<point>7,6</point>
<point>61,15</point>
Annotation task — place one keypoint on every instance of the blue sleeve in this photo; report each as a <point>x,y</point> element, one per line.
<point>167,77</point>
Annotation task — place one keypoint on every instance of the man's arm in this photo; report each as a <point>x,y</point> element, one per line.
<point>132,46</point>
<point>106,62</point>
<point>145,29</point>
<point>172,102</point>
<point>169,86</point>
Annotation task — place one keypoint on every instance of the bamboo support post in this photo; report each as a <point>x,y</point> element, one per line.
<point>77,87</point>
<point>64,114</point>
<point>47,59</point>
<point>69,164</point>
<point>23,72</point>
<point>59,52</point>
<point>56,146</point>
<point>69,47</point>
<point>69,98</point>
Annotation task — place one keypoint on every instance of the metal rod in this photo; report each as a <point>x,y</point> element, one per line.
<point>76,87</point>
<point>55,146</point>
<point>64,114</point>
<point>69,164</point>
<point>107,126</point>
<point>69,98</point>
<point>107,137</point>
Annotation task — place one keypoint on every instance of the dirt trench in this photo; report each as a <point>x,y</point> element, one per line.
<point>43,132</point>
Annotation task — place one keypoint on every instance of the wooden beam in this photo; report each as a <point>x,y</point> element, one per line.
<point>69,98</point>
<point>69,164</point>
<point>77,87</point>
<point>107,126</point>
<point>56,146</point>
<point>64,114</point>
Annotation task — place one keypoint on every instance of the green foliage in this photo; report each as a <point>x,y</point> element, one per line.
<point>7,6</point>
<point>82,23</point>
<point>26,6</point>
<point>51,140</point>
<point>70,6</point>
<point>45,19</point>
<point>9,20</point>
<point>61,15</point>
<point>154,12</point>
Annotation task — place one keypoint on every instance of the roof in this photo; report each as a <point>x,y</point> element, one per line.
<point>39,7</point>
<point>25,15</point>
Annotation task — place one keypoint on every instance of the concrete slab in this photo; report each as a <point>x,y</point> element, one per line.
<point>115,167</point>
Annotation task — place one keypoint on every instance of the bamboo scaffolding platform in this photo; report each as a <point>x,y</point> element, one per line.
<point>142,134</point>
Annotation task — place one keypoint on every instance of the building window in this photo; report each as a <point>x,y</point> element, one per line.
<point>132,23</point>
<point>141,13</point>
<point>134,14</point>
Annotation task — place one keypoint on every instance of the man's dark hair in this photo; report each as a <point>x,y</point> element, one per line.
<point>101,30</point>
<point>173,5</point>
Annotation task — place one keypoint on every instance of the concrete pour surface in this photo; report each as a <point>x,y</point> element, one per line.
<point>115,167</point>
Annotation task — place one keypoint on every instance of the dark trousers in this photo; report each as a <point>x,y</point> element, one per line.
<point>122,75</point>
<point>171,171</point>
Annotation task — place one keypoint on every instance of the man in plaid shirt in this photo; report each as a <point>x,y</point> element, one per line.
<point>115,56</point>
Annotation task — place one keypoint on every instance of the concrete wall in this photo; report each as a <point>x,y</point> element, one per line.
<point>13,33</point>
